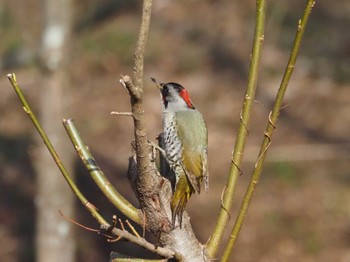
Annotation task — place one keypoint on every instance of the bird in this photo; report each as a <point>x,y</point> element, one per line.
<point>185,145</point>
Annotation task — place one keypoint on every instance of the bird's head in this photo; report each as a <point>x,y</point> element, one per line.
<point>174,96</point>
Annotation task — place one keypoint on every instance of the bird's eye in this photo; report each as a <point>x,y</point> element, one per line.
<point>165,91</point>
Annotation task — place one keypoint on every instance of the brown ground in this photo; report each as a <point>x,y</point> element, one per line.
<point>300,211</point>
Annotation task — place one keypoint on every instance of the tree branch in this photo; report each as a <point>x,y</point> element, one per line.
<point>271,125</point>
<point>152,193</point>
<point>92,209</point>
<point>142,242</point>
<point>141,44</point>
<point>237,157</point>
<point>98,176</point>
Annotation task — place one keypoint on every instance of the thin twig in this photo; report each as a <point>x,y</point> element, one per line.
<point>269,131</point>
<point>164,252</point>
<point>121,224</point>
<point>92,209</point>
<point>113,240</point>
<point>132,228</point>
<point>76,223</point>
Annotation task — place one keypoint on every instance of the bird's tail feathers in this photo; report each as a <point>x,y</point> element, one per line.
<point>183,192</point>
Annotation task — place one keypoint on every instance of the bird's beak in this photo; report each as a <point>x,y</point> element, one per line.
<point>158,84</point>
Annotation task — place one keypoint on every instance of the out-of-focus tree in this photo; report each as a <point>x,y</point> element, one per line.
<point>54,237</point>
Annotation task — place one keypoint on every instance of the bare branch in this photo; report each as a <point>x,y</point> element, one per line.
<point>141,44</point>
<point>142,242</point>
<point>147,177</point>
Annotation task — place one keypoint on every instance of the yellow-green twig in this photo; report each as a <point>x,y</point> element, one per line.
<point>92,209</point>
<point>97,174</point>
<point>234,173</point>
<point>269,131</point>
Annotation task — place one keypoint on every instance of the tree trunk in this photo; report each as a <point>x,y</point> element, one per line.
<point>54,239</point>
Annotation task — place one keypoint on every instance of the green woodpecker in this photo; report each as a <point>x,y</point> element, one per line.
<point>186,145</point>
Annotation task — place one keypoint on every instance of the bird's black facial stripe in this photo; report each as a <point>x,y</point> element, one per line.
<point>165,91</point>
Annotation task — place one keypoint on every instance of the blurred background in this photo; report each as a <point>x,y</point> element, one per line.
<point>68,57</point>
